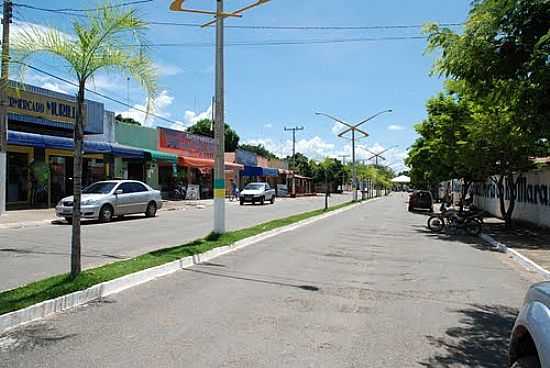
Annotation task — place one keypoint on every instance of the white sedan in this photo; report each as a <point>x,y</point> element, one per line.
<point>257,192</point>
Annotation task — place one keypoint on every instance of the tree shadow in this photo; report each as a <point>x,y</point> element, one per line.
<point>481,339</point>
<point>521,236</point>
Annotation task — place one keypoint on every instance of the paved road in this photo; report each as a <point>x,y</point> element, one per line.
<point>33,253</point>
<point>366,288</point>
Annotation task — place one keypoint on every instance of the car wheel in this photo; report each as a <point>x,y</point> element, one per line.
<point>272,199</point>
<point>151,210</point>
<point>106,213</point>
<point>69,220</point>
<point>262,201</point>
<point>242,202</point>
<point>527,362</point>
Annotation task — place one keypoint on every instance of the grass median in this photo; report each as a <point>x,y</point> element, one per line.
<point>60,285</point>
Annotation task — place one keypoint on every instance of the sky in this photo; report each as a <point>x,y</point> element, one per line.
<point>270,87</point>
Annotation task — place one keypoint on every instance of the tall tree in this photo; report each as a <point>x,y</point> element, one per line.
<point>99,44</point>
<point>124,120</point>
<point>259,149</point>
<point>205,127</point>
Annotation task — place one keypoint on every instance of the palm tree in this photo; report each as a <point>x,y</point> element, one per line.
<point>108,39</point>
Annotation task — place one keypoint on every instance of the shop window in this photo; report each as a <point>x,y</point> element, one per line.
<point>18,177</point>
<point>94,171</point>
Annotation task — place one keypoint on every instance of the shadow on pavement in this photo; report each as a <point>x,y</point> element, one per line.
<point>481,340</point>
<point>64,254</point>
<point>270,282</point>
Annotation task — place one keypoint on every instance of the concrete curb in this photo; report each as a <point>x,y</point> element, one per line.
<point>516,256</point>
<point>47,308</point>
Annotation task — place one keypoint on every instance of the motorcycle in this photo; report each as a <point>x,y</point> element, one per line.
<point>452,221</point>
<point>178,193</point>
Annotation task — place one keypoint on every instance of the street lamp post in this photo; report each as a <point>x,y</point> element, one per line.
<point>353,128</point>
<point>219,124</point>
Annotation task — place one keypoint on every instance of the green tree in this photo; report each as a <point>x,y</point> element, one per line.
<point>99,43</point>
<point>205,127</point>
<point>259,149</point>
<point>124,120</point>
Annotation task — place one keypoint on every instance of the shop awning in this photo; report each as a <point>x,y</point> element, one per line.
<point>259,171</point>
<point>161,156</point>
<point>50,141</point>
<point>268,171</point>
<point>204,163</point>
<point>127,151</point>
<point>284,172</point>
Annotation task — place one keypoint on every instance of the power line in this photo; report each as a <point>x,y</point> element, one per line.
<point>311,28</point>
<point>283,42</point>
<point>99,94</point>
<point>71,12</point>
<point>63,10</point>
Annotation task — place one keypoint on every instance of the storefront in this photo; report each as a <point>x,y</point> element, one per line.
<point>158,169</point>
<point>195,159</point>
<point>40,146</point>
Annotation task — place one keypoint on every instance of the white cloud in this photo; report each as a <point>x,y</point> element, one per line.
<point>160,104</point>
<point>54,86</point>
<point>315,148</point>
<point>396,127</point>
<point>167,70</point>
<point>268,126</point>
<point>338,128</point>
<point>191,117</point>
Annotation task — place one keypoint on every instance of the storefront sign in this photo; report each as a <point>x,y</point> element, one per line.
<point>25,102</point>
<point>246,158</point>
<point>186,144</point>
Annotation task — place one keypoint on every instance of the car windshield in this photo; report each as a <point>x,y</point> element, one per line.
<point>254,186</point>
<point>99,188</point>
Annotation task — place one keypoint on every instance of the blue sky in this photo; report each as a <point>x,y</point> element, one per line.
<point>270,87</point>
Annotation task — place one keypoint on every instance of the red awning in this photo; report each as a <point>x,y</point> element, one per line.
<point>204,163</point>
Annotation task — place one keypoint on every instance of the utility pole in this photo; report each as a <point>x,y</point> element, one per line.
<point>4,80</point>
<point>219,123</point>
<point>378,155</point>
<point>353,128</point>
<point>294,130</point>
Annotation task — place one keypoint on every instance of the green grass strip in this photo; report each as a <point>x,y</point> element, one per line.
<point>60,285</point>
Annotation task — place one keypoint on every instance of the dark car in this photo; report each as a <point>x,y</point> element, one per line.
<point>421,200</point>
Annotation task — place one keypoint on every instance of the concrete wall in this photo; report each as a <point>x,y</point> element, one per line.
<point>532,202</point>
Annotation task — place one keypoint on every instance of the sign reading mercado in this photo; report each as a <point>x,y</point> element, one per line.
<point>185,144</point>
<point>25,102</point>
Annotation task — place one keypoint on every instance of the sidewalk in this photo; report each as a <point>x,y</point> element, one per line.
<point>530,241</point>
<point>26,218</point>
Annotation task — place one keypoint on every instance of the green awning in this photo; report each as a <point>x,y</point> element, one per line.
<point>161,156</point>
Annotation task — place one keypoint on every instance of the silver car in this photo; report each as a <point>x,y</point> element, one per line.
<point>105,199</point>
<point>530,341</point>
<point>257,192</point>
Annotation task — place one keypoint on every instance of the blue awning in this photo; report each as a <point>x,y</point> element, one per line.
<point>268,171</point>
<point>259,171</point>
<point>252,171</point>
<point>25,139</point>
<point>126,151</point>
<point>49,141</point>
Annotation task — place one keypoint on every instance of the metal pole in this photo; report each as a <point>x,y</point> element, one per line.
<point>6,20</point>
<point>219,131</point>
<point>354,178</point>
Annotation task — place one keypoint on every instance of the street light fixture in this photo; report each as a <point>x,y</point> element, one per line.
<point>353,128</point>
<point>219,165</point>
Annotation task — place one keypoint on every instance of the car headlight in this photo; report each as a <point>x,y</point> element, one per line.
<point>89,202</point>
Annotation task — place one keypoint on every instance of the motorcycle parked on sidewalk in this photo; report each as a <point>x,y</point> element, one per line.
<point>452,221</point>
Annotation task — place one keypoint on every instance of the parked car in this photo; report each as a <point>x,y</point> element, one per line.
<point>105,199</point>
<point>530,340</point>
<point>257,192</point>
<point>420,200</point>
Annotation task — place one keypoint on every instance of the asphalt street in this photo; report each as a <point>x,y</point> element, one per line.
<point>32,253</point>
<point>366,288</point>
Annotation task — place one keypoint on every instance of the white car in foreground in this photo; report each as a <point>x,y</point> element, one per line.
<point>257,192</point>
<point>530,341</point>
<point>105,199</point>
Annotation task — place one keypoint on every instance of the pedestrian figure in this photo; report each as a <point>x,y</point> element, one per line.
<point>234,191</point>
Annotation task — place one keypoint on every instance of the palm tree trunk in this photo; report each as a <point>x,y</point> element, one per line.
<point>77,181</point>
